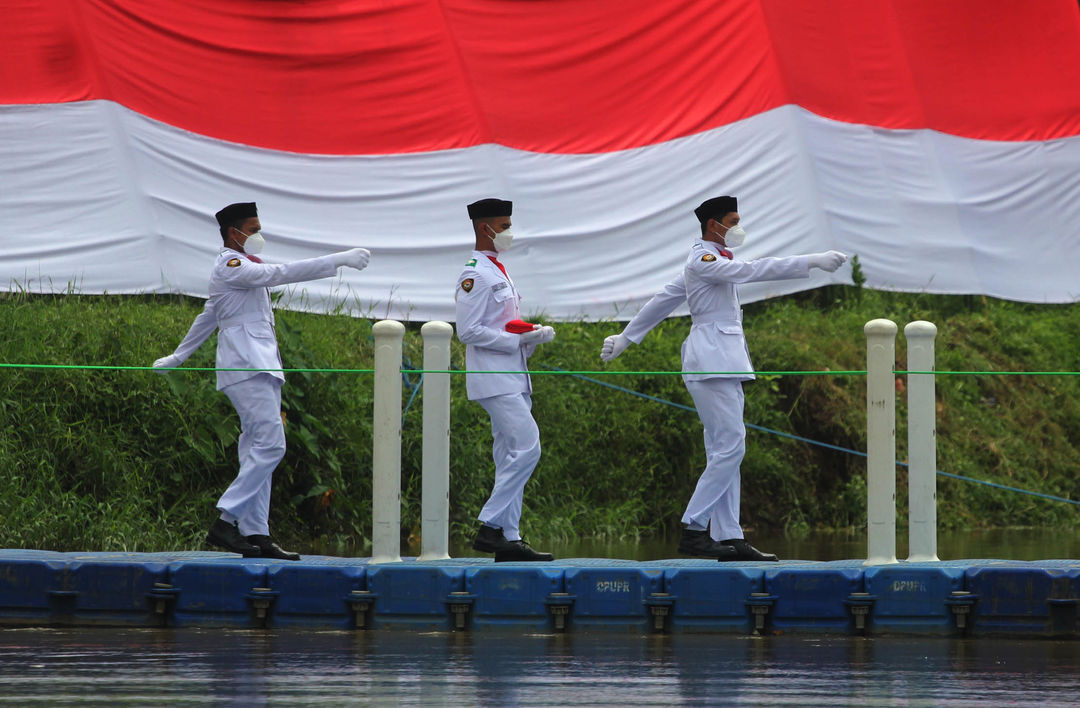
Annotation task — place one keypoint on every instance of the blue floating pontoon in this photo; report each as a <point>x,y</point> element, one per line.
<point>202,589</point>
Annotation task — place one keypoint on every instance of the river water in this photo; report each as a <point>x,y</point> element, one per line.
<point>257,668</point>
<point>107,667</point>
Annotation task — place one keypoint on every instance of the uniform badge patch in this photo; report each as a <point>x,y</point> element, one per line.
<point>233,263</point>
<point>467,284</point>
<point>708,257</point>
<point>471,262</point>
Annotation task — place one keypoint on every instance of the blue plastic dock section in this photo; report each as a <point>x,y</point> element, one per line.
<point>611,595</point>
<point>813,596</point>
<point>516,597</point>
<point>712,598</point>
<point>199,589</point>
<point>906,597</point>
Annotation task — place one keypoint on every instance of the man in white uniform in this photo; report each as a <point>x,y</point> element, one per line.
<point>496,339</point>
<point>716,344</point>
<point>239,308</point>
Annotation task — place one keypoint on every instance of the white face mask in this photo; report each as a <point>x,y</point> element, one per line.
<point>503,239</point>
<point>735,237</point>
<point>254,243</point>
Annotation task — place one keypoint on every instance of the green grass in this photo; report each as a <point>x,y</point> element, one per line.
<point>132,460</point>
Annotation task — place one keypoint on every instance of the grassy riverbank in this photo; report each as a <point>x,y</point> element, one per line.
<point>102,459</point>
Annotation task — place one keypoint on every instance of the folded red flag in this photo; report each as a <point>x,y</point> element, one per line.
<point>519,327</point>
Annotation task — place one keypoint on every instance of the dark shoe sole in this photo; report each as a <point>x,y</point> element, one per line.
<point>483,547</point>
<point>269,548</point>
<point>698,554</point>
<point>746,552</point>
<point>720,557</point>
<point>507,558</point>
<point>254,552</point>
<point>275,556</point>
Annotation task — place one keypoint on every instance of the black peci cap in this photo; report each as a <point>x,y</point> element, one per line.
<point>236,212</point>
<point>487,208</point>
<point>716,208</point>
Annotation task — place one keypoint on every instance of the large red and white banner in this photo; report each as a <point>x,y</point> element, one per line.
<point>939,141</point>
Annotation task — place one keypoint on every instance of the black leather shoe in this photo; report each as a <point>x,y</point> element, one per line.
<point>268,548</point>
<point>699,543</point>
<point>488,539</point>
<point>745,552</point>
<point>225,535</point>
<point>519,551</point>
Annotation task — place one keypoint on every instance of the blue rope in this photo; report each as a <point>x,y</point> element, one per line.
<point>995,485</point>
<point>415,387</point>
<point>808,441</point>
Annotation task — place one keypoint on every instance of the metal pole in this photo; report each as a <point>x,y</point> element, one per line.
<point>880,442</point>
<point>922,443</point>
<point>435,456</point>
<point>386,444</point>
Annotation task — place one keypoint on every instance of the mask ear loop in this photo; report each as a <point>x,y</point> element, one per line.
<point>233,238</point>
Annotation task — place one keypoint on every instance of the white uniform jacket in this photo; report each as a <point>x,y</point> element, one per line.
<point>486,301</point>
<point>707,285</point>
<point>239,306</point>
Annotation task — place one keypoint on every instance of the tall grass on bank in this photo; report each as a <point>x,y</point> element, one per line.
<point>133,460</point>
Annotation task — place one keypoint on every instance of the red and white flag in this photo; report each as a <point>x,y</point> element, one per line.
<point>939,141</point>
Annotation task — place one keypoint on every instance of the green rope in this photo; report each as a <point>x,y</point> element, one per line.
<point>639,373</point>
<point>187,368</point>
<point>994,373</point>
<point>854,372</point>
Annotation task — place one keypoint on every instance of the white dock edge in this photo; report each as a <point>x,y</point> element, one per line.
<point>922,443</point>
<point>880,442</point>
<point>386,444</point>
<point>435,461</point>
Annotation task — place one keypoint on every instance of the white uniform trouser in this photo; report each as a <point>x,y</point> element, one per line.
<point>261,447</point>
<point>516,451</point>
<point>715,502</point>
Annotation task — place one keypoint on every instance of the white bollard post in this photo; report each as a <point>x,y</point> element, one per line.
<point>922,443</point>
<point>435,484</point>
<point>386,445</point>
<point>880,442</point>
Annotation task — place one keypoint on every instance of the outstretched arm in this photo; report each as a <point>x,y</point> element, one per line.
<point>201,329</point>
<point>242,273</point>
<point>720,270</point>
<point>653,313</point>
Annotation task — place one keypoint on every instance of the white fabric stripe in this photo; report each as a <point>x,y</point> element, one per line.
<point>99,198</point>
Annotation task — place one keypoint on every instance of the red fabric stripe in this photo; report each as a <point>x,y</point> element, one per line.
<point>553,76</point>
<point>500,265</point>
<point>519,327</point>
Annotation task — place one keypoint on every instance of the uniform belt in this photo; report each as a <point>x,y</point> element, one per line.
<point>239,320</point>
<point>714,319</point>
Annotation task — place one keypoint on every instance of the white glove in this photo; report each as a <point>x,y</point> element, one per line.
<point>828,261</point>
<point>354,258</point>
<point>613,346</point>
<point>540,335</point>
<point>162,365</point>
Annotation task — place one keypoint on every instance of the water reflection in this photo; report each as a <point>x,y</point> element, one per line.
<point>262,668</point>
